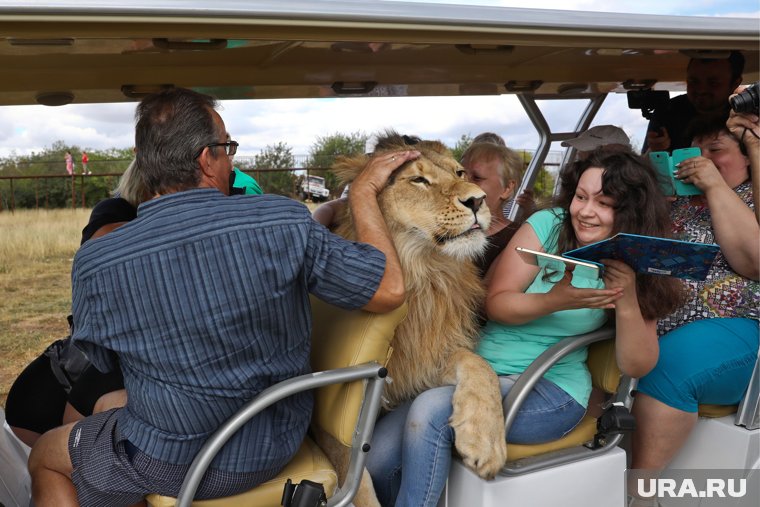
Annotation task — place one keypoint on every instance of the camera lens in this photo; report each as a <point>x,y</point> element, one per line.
<point>747,101</point>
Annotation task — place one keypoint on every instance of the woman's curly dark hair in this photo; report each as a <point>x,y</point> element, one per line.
<point>640,208</point>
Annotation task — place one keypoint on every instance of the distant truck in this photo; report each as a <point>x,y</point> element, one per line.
<point>313,187</point>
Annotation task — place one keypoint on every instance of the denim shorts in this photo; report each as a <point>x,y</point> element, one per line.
<point>707,361</point>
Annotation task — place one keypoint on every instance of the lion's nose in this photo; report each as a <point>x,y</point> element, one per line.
<point>474,203</point>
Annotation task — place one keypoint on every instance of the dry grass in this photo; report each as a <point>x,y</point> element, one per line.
<point>35,280</point>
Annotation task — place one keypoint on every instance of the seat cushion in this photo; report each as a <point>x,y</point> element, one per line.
<point>308,463</point>
<point>717,410</point>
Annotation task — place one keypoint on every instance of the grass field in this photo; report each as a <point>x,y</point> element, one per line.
<point>35,280</point>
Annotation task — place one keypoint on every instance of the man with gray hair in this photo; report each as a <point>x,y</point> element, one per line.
<point>203,302</point>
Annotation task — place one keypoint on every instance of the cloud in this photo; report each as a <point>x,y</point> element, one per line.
<point>298,122</point>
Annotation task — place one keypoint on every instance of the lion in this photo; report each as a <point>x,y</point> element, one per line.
<point>437,221</point>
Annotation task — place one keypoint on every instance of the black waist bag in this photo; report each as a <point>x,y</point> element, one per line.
<point>66,361</point>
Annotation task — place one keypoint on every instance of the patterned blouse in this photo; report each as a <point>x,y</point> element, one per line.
<point>724,293</point>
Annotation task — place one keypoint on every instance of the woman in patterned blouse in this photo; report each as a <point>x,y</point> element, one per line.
<point>708,347</point>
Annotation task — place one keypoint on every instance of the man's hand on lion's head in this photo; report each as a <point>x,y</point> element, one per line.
<point>375,174</point>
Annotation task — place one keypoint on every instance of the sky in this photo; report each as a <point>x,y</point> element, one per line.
<point>298,122</point>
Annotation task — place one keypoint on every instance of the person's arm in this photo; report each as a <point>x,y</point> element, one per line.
<point>636,347</point>
<point>657,140</point>
<point>370,226</point>
<point>326,213</point>
<point>526,205</point>
<point>102,231</point>
<point>736,228</point>
<point>507,301</point>
<point>746,128</point>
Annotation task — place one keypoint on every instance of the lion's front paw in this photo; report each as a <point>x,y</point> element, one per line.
<point>480,438</point>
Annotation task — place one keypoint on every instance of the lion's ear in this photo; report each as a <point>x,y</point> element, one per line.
<point>346,168</point>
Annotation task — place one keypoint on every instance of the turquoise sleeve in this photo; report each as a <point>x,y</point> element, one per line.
<point>546,224</point>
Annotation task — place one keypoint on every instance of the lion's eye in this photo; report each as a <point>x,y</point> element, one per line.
<point>460,174</point>
<point>420,179</point>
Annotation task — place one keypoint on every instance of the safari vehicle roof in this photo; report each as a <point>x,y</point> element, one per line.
<point>82,51</point>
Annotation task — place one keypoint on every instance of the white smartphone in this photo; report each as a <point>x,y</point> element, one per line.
<point>586,269</point>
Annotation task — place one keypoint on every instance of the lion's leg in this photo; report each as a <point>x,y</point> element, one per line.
<point>477,417</point>
<point>366,497</point>
<point>339,456</point>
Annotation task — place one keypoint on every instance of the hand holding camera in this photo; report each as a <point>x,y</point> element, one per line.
<point>747,101</point>
<point>743,121</point>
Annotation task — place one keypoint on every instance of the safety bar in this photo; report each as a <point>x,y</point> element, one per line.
<point>748,414</point>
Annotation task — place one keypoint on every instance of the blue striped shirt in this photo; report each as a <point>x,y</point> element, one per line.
<point>204,299</point>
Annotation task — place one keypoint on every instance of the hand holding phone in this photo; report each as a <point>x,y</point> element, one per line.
<point>658,140</point>
<point>666,165</point>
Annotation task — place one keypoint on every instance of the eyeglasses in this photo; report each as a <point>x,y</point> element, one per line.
<point>230,148</point>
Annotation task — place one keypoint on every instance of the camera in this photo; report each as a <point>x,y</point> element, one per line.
<point>748,101</point>
<point>649,101</point>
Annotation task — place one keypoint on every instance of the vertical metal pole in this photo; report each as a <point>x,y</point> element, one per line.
<point>13,198</point>
<point>546,136</point>
<point>73,193</point>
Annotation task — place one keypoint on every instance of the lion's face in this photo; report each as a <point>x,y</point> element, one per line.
<point>428,199</point>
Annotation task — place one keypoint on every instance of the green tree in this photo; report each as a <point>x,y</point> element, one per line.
<point>50,187</point>
<point>274,169</point>
<point>325,149</point>
<point>464,142</point>
<point>543,185</point>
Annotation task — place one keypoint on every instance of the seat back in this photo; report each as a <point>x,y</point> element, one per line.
<point>343,338</point>
<point>602,364</point>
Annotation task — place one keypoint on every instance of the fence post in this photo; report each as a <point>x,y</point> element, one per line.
<point>13,199</point>
<point>82,190</point>
<point>73,192</point>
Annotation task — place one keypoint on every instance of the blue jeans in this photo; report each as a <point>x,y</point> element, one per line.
<point>417,437</point>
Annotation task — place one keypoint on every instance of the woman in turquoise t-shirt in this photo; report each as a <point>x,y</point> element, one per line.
<point>529,310</point>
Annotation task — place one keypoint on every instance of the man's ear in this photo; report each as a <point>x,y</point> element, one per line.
<point>204,161</point>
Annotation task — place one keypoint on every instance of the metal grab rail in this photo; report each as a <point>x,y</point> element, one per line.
<point>373,372</point>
